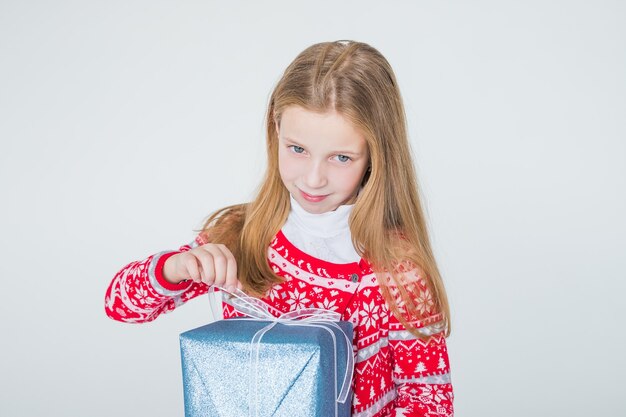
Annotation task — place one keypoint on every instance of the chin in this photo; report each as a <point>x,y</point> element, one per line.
<point>315,208</point>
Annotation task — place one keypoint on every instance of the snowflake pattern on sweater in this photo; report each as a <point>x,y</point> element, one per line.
<point>396,373</point>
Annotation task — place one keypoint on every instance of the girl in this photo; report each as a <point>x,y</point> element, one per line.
<point>337,224</point>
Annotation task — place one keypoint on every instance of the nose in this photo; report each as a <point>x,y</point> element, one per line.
<point>315,175</point>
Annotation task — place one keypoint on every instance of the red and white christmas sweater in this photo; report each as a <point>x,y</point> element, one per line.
<point>396,373</point>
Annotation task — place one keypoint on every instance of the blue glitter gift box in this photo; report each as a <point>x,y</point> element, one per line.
<point>294,370</point>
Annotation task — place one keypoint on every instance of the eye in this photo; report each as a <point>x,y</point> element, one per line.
<point>297,149</point>
<point>343,158</point>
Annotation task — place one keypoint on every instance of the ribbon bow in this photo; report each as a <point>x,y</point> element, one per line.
<point>257,309</point>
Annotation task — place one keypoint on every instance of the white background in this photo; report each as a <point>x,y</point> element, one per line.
<point>124,123</point>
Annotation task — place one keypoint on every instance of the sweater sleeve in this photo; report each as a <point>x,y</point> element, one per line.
<point>421,370</point>
<point>139,293</point>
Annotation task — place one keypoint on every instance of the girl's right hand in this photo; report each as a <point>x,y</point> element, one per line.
<point>210,263</point>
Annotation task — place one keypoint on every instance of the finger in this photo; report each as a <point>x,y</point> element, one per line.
<point>220,263</point>
<point>191,266</point>
<point>205,259</point>
<point>231,269</point>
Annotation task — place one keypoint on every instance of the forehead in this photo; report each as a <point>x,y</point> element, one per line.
<point>330,129</point>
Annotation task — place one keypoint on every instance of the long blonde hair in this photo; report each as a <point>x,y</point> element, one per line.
<point>387,222</point>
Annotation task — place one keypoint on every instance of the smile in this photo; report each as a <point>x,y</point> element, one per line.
<point>313,198</point>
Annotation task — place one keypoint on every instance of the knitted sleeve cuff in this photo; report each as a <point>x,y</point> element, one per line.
<point>158,281</point>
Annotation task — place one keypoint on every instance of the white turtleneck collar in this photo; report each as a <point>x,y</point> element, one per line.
<point>324,236</point>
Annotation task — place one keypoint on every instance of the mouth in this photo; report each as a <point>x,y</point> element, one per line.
<point>313,198</point>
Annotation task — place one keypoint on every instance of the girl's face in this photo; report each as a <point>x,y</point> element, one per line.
<point>322,158</point>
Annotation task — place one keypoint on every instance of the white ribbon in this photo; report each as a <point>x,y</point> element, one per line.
<point>257,309</point>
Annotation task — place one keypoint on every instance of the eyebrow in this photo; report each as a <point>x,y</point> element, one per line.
<point>337,152</point>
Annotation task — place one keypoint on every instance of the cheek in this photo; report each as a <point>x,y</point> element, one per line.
<point>287,167</point>
<point>351,179</point>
